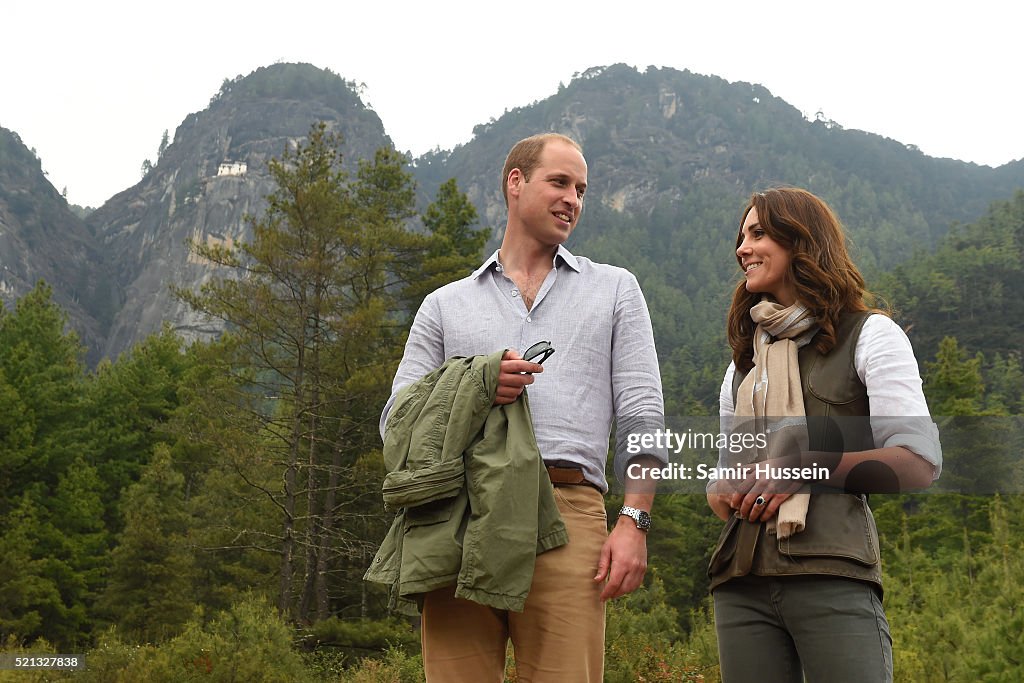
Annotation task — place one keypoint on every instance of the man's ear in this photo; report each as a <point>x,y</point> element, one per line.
<point>513,182</point>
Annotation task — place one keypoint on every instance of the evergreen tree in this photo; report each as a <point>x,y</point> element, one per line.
<point>127,408</point>
<point>455,247</point>
<point>316,318</point>
<point>28,597</point>
<point>48,491</point>
<point>980,447</point>
<point>164,142</point>
<point>42,365</point>
<point>953,381</point>
<point>79,534</point>
<point>16,432</point>
<point>151,573</point>
<point>1005,383</point>
<point>219,453</point>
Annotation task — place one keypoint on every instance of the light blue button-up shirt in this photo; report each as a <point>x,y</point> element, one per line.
<point>605,366</point>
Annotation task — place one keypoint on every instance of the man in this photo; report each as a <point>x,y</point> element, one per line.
<point>604,366</point>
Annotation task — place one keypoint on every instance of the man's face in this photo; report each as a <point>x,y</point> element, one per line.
<point>548,205</point>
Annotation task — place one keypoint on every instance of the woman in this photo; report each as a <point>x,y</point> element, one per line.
<point>831,391</point>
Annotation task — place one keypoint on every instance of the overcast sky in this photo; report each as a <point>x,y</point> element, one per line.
<point>93,85</point>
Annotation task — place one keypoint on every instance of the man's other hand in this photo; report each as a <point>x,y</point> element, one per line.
<point>513,376</point>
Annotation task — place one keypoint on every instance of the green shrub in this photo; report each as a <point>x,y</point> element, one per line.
<point>248,642</point>
<point>396,666</point>
<point>643,641</point>
<point>367,634</point>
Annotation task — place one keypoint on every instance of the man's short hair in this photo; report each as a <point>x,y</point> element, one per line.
<point>525,155</point>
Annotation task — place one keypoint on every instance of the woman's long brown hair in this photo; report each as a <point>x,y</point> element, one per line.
<point>827,281</point>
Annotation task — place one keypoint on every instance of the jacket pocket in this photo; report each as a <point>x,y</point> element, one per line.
<point>838,525</point>
<point>430,513</point>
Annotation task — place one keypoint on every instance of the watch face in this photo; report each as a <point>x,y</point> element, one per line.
<point>644,521</point>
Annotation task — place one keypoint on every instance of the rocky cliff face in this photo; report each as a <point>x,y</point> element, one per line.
<point>672,157</point>
<point>42,239</point>
<point>188,196</point>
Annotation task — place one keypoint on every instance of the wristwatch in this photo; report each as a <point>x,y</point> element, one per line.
<point>642,518</point>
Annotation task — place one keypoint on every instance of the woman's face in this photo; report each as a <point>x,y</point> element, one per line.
<point>765,262</point>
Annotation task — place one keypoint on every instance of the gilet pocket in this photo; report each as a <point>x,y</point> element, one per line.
<point>838,525</point>
<point>725,548</point>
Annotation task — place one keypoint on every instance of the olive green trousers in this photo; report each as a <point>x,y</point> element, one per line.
<point>790,629</point>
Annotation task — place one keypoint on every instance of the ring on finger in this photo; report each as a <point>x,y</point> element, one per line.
<point>760,501</point>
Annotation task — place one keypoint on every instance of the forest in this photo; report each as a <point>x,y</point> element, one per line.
<point>206,511</point>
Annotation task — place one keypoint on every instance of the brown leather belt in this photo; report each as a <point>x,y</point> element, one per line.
<point>568,476</point>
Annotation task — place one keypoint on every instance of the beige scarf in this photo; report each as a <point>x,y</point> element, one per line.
<point>772,389</point>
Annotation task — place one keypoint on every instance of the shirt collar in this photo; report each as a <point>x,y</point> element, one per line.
<point>492,261</point>
<point>564,254</point>
<point>567,257</point>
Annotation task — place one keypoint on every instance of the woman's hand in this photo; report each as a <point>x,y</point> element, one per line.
<point>719,503</point>
<point>757,496</point>
<point>761,508</point>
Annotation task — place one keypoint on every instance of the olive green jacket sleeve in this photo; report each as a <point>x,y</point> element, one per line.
<point>474,503</point>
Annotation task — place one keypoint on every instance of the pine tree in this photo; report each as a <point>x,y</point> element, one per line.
<point>316,310</point>
<point>980,448</point>
<point>28,598</point>
<point>151,571</point>
<point>455,246</point>
<point>48,492</point>
<point>42,364</point>
<point>953,381</point>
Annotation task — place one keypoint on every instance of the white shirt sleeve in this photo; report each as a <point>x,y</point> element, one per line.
<point>424,352</point>
<point>726,409</point>
<point>725,403</point>
<point>886,365</point>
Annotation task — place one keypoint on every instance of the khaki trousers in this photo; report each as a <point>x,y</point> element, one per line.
<point>559,635</point>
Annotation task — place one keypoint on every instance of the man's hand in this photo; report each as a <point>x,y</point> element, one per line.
<point>623,559</point>
<point>513,376</point>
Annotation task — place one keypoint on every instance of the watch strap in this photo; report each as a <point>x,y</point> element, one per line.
<point>641,517</point>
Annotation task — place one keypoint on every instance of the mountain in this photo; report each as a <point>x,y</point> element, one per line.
<point>41,238</point>
<point>673,155</point>
<point>656,140</point>
<point>207,181</point>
